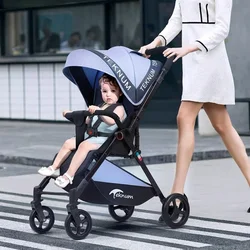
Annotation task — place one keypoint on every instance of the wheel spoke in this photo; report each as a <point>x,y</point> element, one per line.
<point>78,230</point>
<point>117,207</point>
<point>126,211</point>
<point>84,220</point>
<point>183,212</point>
<point>40,224</point>
<point>174,203</point>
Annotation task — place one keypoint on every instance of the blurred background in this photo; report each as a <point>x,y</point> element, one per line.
<point>36,37</point>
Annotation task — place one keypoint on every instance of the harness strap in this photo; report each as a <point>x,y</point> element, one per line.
<point>97,123</point>
<point>93,130</point>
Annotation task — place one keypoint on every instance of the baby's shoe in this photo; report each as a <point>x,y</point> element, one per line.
<point>63,182</point>
<point>46,171</point>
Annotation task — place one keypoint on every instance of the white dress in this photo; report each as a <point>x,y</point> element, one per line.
<point>207,75</point>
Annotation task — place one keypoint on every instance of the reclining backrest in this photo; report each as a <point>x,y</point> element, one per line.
<point>119,148</point>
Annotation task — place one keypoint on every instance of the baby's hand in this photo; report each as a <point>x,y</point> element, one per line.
<point>93,108</point>
<point>65,112</point>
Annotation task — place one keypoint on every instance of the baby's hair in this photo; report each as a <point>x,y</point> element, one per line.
<point>110,80</point>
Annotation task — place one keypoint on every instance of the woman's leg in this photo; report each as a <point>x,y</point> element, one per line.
<point>186,117</point>
<point>80,156</point>
<point>221,121</point>
<point>64,152</point>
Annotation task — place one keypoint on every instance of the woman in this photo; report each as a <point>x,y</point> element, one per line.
<point>207,78</point>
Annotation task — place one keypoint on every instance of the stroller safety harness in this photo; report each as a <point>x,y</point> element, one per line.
<point>92,129</point>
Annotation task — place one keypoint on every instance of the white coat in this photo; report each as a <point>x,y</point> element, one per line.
<point>207,75</point>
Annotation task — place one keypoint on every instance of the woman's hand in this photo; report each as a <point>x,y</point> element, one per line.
<point>152,45</point>
<point>93,108</point>
<point>145,47</point>
<point>179,52</point>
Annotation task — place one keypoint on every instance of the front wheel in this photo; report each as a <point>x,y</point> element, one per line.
<point>121,213</point>
<point>42,226</point>
<point>84,228</point>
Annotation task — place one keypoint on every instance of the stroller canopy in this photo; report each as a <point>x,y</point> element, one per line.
<point>134,73</point>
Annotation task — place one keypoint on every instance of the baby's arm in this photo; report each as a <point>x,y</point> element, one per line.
<point>120,111</point>
<point>91,109</point>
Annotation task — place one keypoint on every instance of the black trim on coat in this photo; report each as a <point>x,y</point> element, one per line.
<point>200,12</point>
<point>202,45</point>
<point>164,39</point>
<point>197,23</point>
<point>207,13</point>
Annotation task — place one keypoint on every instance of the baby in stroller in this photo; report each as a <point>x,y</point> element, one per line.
<point>110,92</point>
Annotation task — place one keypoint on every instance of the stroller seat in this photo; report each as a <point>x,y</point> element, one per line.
<point>107,174</point>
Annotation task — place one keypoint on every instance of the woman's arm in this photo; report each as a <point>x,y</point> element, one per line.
<point>171,30</point>
<point>223,9</point>
<point>173,27</point>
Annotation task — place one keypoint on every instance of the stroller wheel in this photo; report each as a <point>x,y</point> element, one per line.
<point>84,228</point>
<point>173,214</point>
<point>121,213</point>
<point>45,225</point>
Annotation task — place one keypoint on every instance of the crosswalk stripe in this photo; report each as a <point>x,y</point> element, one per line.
<point>229,227</point>
<point>100,240</point>
<point>128,234</point>
<point>30,244</point>
<point>211,234</point>
<point>6,248</point>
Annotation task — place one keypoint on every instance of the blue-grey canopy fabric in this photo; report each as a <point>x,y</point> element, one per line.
<point>135,74</point>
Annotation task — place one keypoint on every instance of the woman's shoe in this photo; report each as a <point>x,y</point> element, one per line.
<point>63,182</point>
<point>46,171</point>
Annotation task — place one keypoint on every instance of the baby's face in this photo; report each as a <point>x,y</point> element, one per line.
<point>110,94</point>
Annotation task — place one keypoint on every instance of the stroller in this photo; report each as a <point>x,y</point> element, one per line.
<point>99,180</point>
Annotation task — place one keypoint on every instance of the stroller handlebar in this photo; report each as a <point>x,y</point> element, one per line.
<point>77,116</point>
<point>110,114</point>
<point>155,51</point>
<point>158,51</point>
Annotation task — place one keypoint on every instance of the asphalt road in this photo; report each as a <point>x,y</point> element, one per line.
<point>220,224</point>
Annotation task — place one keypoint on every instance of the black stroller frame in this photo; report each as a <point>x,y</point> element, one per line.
<point>78,224</point>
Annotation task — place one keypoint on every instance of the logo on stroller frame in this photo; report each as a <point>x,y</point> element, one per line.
<point>118,193</point>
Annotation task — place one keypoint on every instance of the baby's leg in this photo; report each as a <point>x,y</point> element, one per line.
<point>80,156</point>
<point>64,152</point>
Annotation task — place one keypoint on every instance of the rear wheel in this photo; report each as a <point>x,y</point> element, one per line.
<point>46,224</point>
<point>121,213</point>
<point>175,210</point>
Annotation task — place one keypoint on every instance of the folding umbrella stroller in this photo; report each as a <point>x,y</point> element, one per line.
<point>98,180</point>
